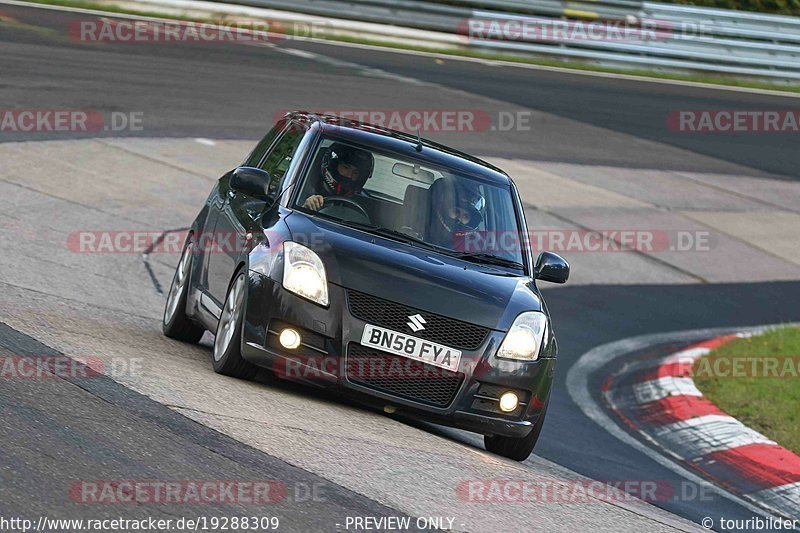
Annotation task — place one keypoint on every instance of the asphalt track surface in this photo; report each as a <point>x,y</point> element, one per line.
<point>122,435</point>
<point>218,91</point>
<point>226,91</point>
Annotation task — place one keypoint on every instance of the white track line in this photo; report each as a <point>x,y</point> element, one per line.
<point>657,389</point>
<point>696,437</point>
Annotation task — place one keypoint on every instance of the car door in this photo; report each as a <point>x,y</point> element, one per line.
<point>240,210</point>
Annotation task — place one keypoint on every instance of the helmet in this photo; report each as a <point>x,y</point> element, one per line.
<point>456,203</point>
<point>333,181</point>
<point>470,193</point>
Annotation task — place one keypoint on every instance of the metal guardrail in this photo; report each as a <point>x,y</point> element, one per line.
<point>670,37</point>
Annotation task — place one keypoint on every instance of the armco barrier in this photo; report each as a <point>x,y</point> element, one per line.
<point>686,38</point>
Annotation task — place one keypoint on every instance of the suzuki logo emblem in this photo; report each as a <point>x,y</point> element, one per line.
<point>415,322</point>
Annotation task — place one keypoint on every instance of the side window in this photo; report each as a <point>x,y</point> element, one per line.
<point>280,157</point>
<point>261,148</point>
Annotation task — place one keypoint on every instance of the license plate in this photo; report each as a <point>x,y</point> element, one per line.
<point>411,347</point>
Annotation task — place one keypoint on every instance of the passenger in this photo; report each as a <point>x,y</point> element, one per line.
<point>452,210</point>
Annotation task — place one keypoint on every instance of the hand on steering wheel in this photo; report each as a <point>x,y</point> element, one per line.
<point>347,202</point>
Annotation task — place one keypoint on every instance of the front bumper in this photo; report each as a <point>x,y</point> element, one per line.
<point>330,334</point>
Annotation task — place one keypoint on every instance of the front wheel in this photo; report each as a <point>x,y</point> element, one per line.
<point>517,448</point>
<point>228,341</point>
<point>175,323</point>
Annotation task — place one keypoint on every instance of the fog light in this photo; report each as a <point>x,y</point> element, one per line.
<point>508,402</point>
<point>290,338</point>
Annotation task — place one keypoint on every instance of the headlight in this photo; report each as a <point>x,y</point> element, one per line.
<point>304,273</point>
<point>525,338</point>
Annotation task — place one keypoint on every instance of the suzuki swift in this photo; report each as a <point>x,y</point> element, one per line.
<point>392,268</point>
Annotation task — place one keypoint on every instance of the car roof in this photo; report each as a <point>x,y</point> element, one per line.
<point>404,143</point>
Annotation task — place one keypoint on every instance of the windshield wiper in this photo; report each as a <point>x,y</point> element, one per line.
<point>393,233</point>
<point>491,259</point>
<point>390,233</point>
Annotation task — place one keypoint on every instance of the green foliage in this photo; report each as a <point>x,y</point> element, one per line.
<point>770,405</point>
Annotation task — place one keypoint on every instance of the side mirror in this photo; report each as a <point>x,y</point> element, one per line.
<point>551,267</point>
<point>251,181</point>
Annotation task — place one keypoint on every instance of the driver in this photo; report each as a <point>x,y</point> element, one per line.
<point>453,209</point>
<point>344,170</point>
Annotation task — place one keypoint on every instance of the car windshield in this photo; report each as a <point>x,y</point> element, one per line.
<point>410,200</point>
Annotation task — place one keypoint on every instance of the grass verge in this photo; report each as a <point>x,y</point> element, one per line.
<point>768,404</point>
<point>512,58</point>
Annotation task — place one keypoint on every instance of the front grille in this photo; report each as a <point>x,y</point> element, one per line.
<point>400,376</point>
<point>438,328</point>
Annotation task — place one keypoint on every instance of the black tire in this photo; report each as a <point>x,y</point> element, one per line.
<point>175,323</point>
<point>227,355</point>
<point>517,448</point>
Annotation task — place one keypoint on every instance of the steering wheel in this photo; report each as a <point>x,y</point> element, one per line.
<point>347,202</point>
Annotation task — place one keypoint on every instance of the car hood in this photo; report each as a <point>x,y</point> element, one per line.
<point>414,276</point>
